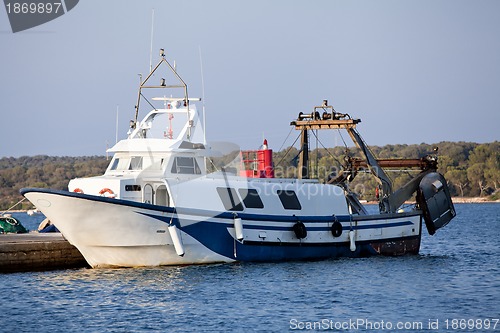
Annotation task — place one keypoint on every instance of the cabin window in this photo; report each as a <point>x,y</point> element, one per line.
<point>229,199</point>
<point>135,163</point>
<point>115,164</point>
<point>120,164</point>
<point>186,165</point>
<point>289,199</point>
<point>251,198</point>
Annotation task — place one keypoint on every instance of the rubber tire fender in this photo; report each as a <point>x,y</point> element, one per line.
<point>336,229</point>
<point>300,230</point>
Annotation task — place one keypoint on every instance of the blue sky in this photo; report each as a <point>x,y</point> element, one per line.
<point>413,71</point>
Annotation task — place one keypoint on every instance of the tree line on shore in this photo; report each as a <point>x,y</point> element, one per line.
<point>471,169</point>
<point>44,172</point>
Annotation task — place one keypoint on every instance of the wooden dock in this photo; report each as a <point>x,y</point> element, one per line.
<point>37,252</point>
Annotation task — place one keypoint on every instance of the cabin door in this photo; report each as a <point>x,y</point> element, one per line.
<point>162,198</point>
<point>147,194</point>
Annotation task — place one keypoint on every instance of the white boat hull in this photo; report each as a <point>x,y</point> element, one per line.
<point>111,232</point>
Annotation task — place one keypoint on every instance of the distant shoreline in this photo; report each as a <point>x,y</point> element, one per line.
<point>473,200</point>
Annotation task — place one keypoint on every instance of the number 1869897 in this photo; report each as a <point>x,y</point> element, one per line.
<point>33,7</point>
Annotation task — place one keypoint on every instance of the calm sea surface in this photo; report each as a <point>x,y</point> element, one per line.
<point>452,286</point>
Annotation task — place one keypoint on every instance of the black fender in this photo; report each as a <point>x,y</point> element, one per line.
<point>336,229</point>
<point>300,230</point>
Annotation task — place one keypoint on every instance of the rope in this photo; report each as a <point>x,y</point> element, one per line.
<point>154,108</point>
<point>286,153</point>
<point>291,129</point>
<point>14,206</point>
<point>321,143</point>
<point>340,133</point>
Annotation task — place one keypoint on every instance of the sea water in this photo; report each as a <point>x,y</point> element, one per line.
<point>452,286</point>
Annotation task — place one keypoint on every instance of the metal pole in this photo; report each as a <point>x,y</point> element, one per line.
<point>151,48</point>
<point>304,156</point>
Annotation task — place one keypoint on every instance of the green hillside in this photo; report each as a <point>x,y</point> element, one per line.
<point>471,169</point>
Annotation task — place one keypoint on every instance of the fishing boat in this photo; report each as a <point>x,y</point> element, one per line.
<point>157,203</point>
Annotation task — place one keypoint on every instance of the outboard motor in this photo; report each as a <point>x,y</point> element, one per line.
<point>433,197</point>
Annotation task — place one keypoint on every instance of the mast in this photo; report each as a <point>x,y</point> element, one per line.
<point>162,85</point>
<point>304,155</point>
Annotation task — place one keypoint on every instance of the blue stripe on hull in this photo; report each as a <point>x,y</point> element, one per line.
<point>345,227</point>
<point>216,237</point>
<point>175,220</point>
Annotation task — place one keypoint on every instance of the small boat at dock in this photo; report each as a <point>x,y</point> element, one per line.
<point>157,203</point>
<point>9,224</point>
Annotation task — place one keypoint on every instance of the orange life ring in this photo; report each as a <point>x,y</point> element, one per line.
<point>106,190</point>
<point>78,190</point>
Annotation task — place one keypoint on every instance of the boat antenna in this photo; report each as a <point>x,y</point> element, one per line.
<point>203,98</point>
<point>116,129</point>
<point>151,47</point>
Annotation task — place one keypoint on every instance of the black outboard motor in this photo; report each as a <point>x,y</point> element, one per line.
<point>433,197</point>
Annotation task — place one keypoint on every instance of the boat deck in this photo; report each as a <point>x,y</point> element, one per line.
<point>37,252</point>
